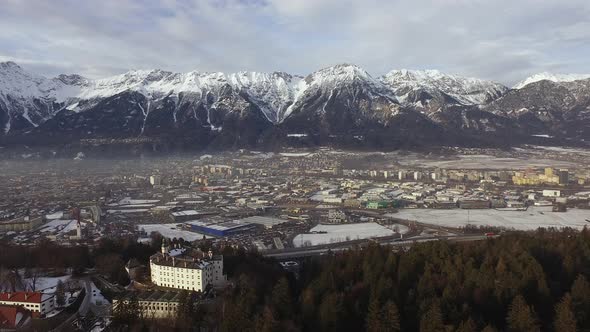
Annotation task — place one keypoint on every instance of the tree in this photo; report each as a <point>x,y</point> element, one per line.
<point>266,321</point>
<point>373,319</point>
<point>521,317</point>
<point>580,294</point>
<point>281,299</point>
<point>467,326</point>
<point>565,321</point>
<point>60,293</point>
<point>489,328</point>
<point>432,320</point>
<point>390,317</point>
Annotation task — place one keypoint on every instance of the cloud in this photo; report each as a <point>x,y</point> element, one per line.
<point>504,40</point>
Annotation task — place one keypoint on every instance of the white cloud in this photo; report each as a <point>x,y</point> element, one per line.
<point>503,40</point>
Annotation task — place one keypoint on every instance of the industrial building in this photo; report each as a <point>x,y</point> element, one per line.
<point>219,229</point>
<point>267,222</point>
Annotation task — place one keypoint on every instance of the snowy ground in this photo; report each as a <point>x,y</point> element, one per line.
<point>56,215</point>
<point>129,201</point>
<point>170,231</point>
<point>46,284</point>
<point>97,297</point>
<point>531,219</point>
<point>344,232</point>
<point>59,226</point>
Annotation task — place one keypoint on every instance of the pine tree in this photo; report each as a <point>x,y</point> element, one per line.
<point>390,317</point>
<point>521,318</point>
<point>580,294</point>
<point>432,320</point>
<point>60,293</point>
<point>489,328</point>
<point>373,318</point>
<point>467,326</point>
<point>565,321</point>
<point>266,322</point>
<point>281,299</point>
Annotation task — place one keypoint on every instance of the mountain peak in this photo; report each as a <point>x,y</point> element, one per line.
<point>465,90</point>
<point>9,65</point>
<point>546,76</point>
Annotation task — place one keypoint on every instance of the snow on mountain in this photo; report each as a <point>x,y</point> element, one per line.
<point>465,90</point>
<point>271,92</point>
<point>551,77</point>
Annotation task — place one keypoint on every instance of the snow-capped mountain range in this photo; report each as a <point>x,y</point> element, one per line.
<point>331,102</point>
<point>545,76</point>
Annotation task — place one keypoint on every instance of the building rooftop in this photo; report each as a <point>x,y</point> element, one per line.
<point>28,297</point>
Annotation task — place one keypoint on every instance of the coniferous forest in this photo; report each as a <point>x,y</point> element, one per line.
<point>517,282</point>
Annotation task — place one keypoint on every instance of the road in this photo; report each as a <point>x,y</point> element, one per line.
<point>387,240</point>
<point>82,310</point>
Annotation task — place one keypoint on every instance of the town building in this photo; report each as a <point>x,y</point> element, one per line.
<point>155,180</point>
<point>153,304</point>
<point>20,224</point>
<point>186,268</point>
<point>13,318</point>
<point>38,303</point>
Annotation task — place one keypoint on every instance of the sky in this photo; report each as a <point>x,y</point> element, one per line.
<point>501,40</point>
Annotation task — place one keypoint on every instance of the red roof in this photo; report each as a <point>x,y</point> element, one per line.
<point>29,297</point>
<point>8,315</point>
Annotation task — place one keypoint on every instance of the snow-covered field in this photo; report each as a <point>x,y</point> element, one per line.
<point>45,284</point>
<point>344,232</point>
<point>531,219</point>
<point>170,231</point>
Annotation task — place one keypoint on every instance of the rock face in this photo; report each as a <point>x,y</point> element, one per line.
<point>340,105</point>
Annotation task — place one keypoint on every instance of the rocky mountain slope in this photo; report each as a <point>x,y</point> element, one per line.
<point>341,105</point>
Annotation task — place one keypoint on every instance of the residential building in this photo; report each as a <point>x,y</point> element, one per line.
<point>153,304</point>
<point>13,318</point>
<point>38,303</point>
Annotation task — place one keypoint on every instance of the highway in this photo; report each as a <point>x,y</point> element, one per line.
<point>388,240</point>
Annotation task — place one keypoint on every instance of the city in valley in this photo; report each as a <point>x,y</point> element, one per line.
<point>86,241</point>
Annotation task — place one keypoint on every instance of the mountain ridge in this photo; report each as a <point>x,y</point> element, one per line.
<point>340,103</point>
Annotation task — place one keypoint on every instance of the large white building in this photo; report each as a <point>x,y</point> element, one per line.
<point>188,269</point>
<point>153,304</point>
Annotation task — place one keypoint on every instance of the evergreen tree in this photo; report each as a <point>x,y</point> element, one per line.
<point>60,293</point>
<point>390,317</point>
<point>266,322</point>
<point>489,328</point>
<point>281,299</point>
<point>565,321</point>
<point>432,320</point>
<point>580,295</point>
<point>521,317</point>
<point>373,318</point>
<point>467,326</point>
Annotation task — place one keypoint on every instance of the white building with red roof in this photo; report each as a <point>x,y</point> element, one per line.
<point>38,303</point>
<point>14,318</point>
